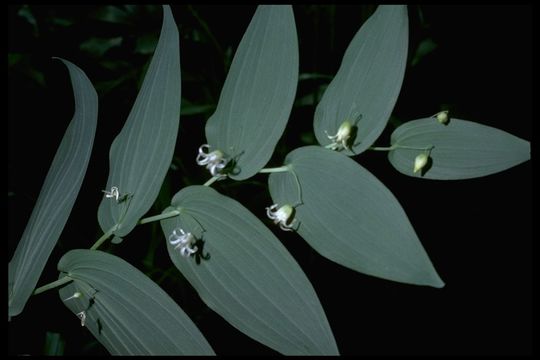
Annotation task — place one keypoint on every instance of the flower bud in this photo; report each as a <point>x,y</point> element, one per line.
<point>420,161</point>
<point>344,131</point>
<point>442,117</point>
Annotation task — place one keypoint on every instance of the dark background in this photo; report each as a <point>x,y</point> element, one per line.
<point>477,232</point>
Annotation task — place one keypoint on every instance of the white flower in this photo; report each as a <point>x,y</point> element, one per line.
<point>82,316</point>
<point>215,161</point>
<point>341,139</point>
<point>184,241</point>
<point>281,216</point>
<point>420,161</point>
<point>113,193</point>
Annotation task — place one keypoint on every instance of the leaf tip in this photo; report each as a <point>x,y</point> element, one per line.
<point>439,284</point>
<point>57,58</point>
<point>434,280</point>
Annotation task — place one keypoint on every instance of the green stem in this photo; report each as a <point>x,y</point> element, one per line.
<point>52,285</point>
<point>397,146</point>
<point>415,147</point>
<point>211,180</point>
<point>299,188</point>
<point>103,237</point>
<point>284,168</point>
<point>167,215</point>
<point>378,148</point>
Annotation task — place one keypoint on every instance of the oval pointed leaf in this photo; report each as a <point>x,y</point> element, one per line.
<point>259,91</point>
<point>461,149</point>
<point>141,154</point>
<point>57,195</point>
<point>126,311</point>
<point>350,217</point>
<point>249,278</point>
<point>367,84</point>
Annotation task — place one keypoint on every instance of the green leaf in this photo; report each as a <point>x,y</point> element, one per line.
<point>146,44</point>
<point>14,59</point>
<point>189,108</point>
<point>141,154</point>
<point>99,46</point>
<point>312,97</point>
<point>424,48</point>
<point>126,311</point>
<point>54,344</point>
<point>366,87</point>
<point>350,217</point>
<point>57,195</point>
<point>313,76</point>
<point>259,91</point>
<point>26,13</point>
<point>62,22</point>
<point>461,149</point>
<point>246,275</point>
<point>113,14</point>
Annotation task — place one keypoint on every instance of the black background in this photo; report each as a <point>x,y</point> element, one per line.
<point>477,232</point>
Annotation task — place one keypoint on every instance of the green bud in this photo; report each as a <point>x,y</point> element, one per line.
<point>344,131</point>
<point>420,161</point>
<point>442,117</point>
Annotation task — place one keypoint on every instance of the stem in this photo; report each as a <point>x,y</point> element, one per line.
<point>415,147</point>
<point>397,146</point>
<point>211,180</point>
<point>286,168</point>
<point>103,237</point>
<point>159,217</point>
<point>52,285</point>
<point>377,148</point>
<point>299,188</point>
<point>283,168</point>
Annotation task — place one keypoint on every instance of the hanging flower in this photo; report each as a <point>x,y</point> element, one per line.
<point>112,194</point>
<point>420,161</point>
<point>282,216</point>
<point>215,161</point>
<point>183,241</point>
<point>341,139</point>
<point>442,117</point>
<point>82,316</point>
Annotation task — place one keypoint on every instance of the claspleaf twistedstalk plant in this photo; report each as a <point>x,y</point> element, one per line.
<point>248,277</point>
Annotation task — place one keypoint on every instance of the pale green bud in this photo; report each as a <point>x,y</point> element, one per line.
<point>344,131</point>
<point>442,117</point>
<point>420,161</point>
